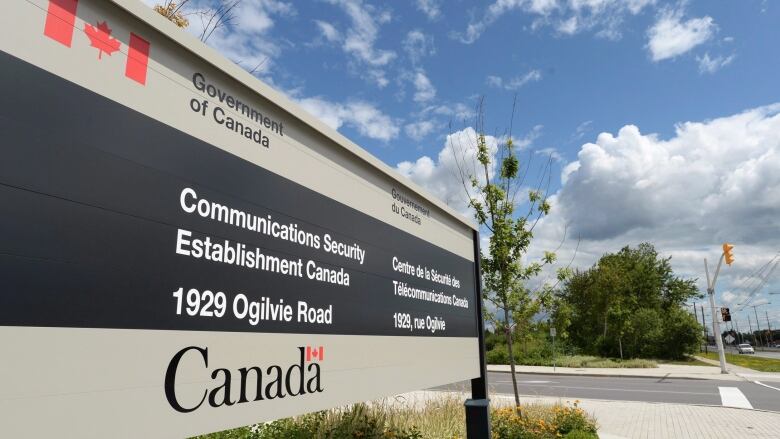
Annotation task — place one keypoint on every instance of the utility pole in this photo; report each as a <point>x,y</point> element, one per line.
<point>771,337</point>
<point>704,325</point>
<point>739,333</point>
<point>752,335</point>
<point>758,325</point>
<point>711,294</point>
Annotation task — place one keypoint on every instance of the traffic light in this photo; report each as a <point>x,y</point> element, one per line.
<point>726,314</point>
<point>727,253</point>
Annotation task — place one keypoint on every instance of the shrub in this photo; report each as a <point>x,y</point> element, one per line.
<point>542,422</point>
<point>440,418</point>
<point>497,355</point>
<point>358,421</point>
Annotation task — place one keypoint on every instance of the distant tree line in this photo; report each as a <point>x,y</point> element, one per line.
<point>630,304</point>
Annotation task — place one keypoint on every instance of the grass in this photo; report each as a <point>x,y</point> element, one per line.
<point>688,361</point>
<point>586,361</point>
<point>440,418</point>
<point>749,361</point>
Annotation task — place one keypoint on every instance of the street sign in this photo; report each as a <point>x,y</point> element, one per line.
<point>184,250</point>
<point>553,332</point>
<point>729,339</point>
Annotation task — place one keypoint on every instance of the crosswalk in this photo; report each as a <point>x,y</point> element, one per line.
<point>733,397</point>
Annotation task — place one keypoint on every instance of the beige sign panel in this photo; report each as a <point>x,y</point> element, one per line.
<point>184,250</point>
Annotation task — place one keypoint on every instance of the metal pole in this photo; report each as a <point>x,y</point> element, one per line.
<point>739,333</point>
<point>478,407</point>
<point>758,327</point>
<point>771,337</point>
<point>752,335</point>
<point>715,324</point>
<point>704,325</point>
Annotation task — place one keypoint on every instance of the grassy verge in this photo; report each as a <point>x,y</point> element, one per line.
<point>585,361</point>
<point>438,419</point>
<point>749,361</point>
<point>689,361</point>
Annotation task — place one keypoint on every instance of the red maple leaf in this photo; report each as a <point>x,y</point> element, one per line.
<point>100,38</point>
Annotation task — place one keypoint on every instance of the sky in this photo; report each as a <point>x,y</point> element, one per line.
<point>661,118</point>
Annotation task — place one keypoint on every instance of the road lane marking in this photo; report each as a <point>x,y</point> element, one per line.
<point>733,397</point>
<point>607,388</point>
<point>766,385</point>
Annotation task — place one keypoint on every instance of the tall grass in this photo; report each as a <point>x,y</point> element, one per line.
<point>584,361</point>
<point>439,417</point>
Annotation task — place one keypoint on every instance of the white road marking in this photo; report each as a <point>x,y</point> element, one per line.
<point>733,397</point>
<point>605,388</point>
<point>536,382</point>
<point>765,385</point>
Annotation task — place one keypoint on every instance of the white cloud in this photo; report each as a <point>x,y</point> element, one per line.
<point>442,176</point>
<point>670,36</point>
<point>424,89</point>
<point>368,120</point>
<point>247,40</point>
<point>459,111</point>
<point>551,153</point>
<point>516,82</point>
<point>328,31</point>
<point>431,8</point>
<point>714,181</point>
<point>361,36</point>
<point>712,65</point>
<point>418,45</point>
<point>420,129</point>
<point>565,16</point>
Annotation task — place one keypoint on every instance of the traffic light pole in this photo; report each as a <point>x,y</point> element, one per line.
<point>715,325</point>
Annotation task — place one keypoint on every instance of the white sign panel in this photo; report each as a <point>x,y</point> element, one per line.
<point>183,250</point>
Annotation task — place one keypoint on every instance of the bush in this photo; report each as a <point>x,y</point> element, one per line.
<point>441,418</point>
<point>499,356</point>
<point>542,422</point>
<point>358,421</point>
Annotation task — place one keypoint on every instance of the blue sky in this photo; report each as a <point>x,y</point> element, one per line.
<point>662,116</point>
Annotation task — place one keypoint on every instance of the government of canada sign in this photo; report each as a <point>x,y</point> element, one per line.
<point>183,250</point>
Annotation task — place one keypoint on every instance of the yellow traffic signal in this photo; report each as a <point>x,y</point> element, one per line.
<point>727,253</point>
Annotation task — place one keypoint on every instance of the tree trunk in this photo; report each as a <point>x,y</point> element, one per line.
<point>620,344</point>
<point>511,358</point>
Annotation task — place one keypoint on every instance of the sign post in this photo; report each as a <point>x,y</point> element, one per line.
<point>553,333</point>
<point>184,250</point>
<point>478,407</point>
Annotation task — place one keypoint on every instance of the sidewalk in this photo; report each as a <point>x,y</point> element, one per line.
<point>736,373</point>
<point>744,372</point>
<point>623,419</point>
<point>662,371</point>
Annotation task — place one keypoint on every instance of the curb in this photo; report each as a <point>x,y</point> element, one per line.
<point>508,395</point>
<point>736,377</point>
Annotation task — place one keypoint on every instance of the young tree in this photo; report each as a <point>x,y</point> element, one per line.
<point>493,186</point>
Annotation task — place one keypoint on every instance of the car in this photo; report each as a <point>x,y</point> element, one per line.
<point>745,348</point>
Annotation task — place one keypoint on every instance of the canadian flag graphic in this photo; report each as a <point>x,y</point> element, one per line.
<point>316,353</point>
<point>61,24</point>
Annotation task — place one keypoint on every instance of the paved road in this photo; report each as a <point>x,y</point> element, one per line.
<point>771,353</point>
<point>681,391</point>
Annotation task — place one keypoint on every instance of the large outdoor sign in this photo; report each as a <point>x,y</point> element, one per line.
<point>183,250</point>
